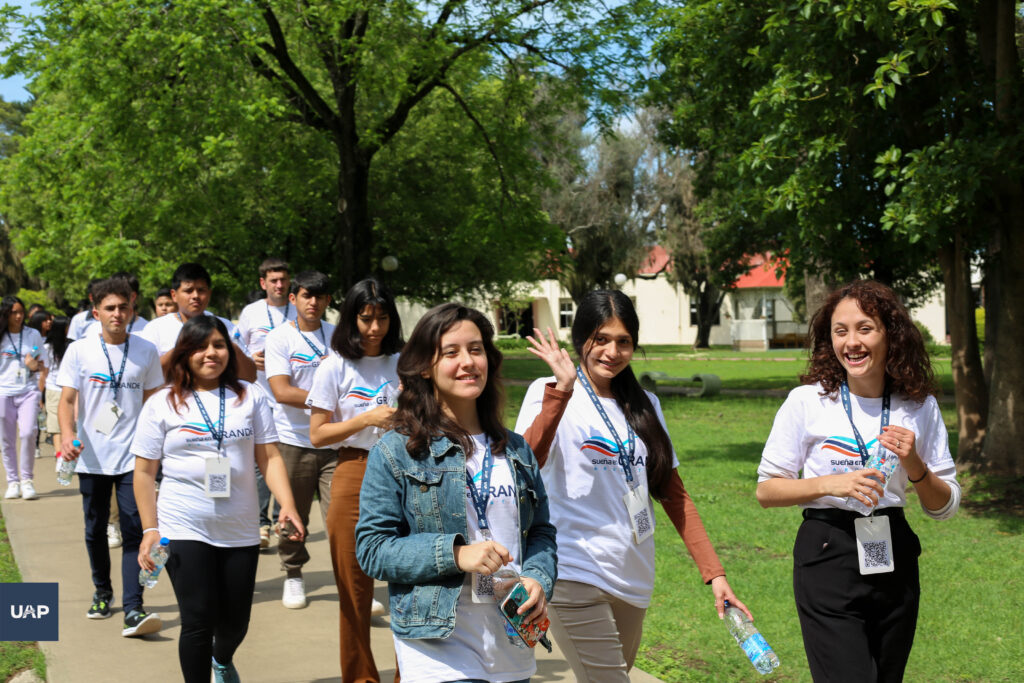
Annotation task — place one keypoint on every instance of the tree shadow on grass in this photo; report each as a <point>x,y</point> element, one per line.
<point>1000,498</point>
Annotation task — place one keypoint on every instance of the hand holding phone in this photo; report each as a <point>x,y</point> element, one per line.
<point>531,632</point>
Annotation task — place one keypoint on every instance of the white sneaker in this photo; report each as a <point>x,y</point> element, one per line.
<point>113,536</point>
<point>294,596</point>
<point>265,538</point>
<point>377,609</point>
<point>28,491</point>
<point>13,490</point>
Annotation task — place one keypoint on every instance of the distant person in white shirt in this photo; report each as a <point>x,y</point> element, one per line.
<point>108,375</point>
<point>191,290</point>
<point>136,322</point>
<point>294,351</point>
<point>163,303</point>
<point>255,322</point>
<point>81,321</point>
<point>20,356</point>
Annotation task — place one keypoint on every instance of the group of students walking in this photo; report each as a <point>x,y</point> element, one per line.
<point>422,486</point>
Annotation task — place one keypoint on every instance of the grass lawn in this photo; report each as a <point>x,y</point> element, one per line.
<point>15,656</point>
<point>971,566</point>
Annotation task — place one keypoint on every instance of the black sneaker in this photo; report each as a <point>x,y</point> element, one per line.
<point>100,605</point>
<point>138,623</point>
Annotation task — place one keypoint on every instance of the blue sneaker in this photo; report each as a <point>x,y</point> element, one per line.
<point>224,673</point>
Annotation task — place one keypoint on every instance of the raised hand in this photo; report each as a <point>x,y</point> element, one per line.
<point>557,358</point>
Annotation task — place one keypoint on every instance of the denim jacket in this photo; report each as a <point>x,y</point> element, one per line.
<point>412,513</point>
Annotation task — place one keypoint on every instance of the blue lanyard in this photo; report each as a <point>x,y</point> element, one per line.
<point>624,457</point>
<point>323,337</point>
<point>21,333</point>
<point>480,499</point>
<point>844,391</point>
<point>287,307</point>
<point>115,380</point>
<point>219,436</point>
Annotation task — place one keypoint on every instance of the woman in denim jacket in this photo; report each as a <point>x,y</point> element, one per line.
<point>448,456</point>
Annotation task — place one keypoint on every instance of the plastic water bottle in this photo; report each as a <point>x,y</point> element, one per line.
<point>35,352</point>
<point>67,466</point>
<point>883,461</point>
<point>750,639</point>
<point>159,554</point>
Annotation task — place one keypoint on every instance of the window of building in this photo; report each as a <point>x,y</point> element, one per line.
<point>693,315</point>
<point>565,313</point>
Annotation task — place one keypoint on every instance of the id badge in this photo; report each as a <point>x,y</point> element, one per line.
<point>483,589</point>
<point>638,505</point>
<point>22,375</point>
<point>106,417</point>
<point>874,544</point>
<point>218,478</point>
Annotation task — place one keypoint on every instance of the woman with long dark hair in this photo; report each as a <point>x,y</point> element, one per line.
<point>207,428</point>
<point>605,452</point>
<point>350,403</point>
<point>845,445</point>
<point>53,353</point>
<point>20,351</point>
<point>450,497</point>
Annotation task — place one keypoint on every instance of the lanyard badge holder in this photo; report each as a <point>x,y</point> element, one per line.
<point>106,417</point>
<point>482,586</point>
<point>217,482</point>
<point>22,373</point>
<point>874,536</point>
<point>636,500</point>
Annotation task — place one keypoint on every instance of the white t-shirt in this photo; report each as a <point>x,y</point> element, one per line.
<point>183,443</point>
<point>255,322</point>
<point>88,325</point>
<point>586,486</point>
<point>15,379</point>
<point>296,355</point>
<point>812,434</point>
<point>163,331</point>
<point>351,387</point>
<point>478,647</point>
<point>52,367</point>
<point>79,322</point>
<point>85,369</point>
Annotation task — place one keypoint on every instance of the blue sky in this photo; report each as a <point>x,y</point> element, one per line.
<point>13,89</point>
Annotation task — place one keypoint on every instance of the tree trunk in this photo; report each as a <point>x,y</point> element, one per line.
<point>1001,452</point>
<point>968,377</point>
<point>816,289</point>
<point>353,236</point>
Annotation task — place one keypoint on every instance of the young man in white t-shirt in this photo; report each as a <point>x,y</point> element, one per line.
<point>293,352</point>
<point>109,375</point>
<point>190,288</point>
<point>255,322</point>
<point>80,322</point>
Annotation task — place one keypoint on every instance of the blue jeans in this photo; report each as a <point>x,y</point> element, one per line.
<point>95,490</point>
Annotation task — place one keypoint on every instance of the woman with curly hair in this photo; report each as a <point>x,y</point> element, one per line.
<point>855,575</point>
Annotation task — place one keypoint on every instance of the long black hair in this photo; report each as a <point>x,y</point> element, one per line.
<point>596,309</point>
<point>193,337</point>
<point>6,306</point>
<point>346,340</point>
<point>419,415</point>
<point>57,337</point>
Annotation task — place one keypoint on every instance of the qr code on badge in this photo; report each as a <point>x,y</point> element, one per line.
<point>642,521</point>
<point>876,554</point>
<point>218,483</point>
<point>485,586</point>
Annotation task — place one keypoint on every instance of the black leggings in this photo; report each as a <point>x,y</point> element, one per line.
<point>214,588</point>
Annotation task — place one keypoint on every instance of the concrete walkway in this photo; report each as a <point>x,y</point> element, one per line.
<point>282,646</point>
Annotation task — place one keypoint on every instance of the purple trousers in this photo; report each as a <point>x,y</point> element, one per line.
<point>18,418</point>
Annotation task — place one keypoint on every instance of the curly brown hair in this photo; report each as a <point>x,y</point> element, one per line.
<point>908,370</point>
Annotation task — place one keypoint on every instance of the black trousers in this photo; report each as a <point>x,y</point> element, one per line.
<point>95,490</point>
<point>214,588</point>
<point>855,628</point>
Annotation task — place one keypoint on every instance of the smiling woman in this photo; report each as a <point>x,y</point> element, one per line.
<point>855,578</point>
